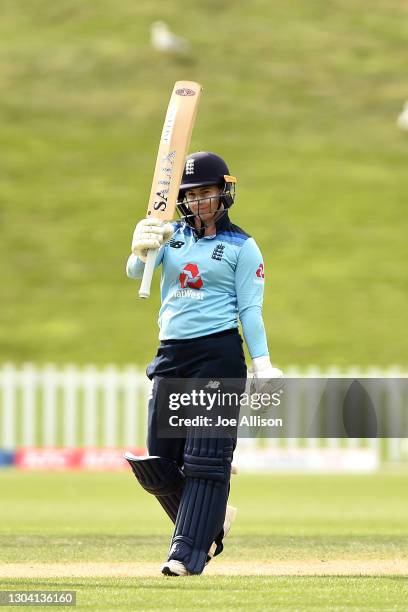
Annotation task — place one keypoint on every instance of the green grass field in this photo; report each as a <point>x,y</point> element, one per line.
<point>300,97</point>
<point>105,520</point>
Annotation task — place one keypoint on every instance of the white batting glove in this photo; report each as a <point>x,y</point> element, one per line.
<point>266,378</point>
<point>150,234</point>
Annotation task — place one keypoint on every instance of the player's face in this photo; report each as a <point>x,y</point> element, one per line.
<point>204,201</point>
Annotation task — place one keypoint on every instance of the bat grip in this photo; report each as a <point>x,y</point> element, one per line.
<point>144,291</point>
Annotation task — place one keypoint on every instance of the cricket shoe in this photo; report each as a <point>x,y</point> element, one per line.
<point>217,547</point>
<point>174,568</point>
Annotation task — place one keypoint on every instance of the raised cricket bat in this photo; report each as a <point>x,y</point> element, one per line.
<point>174,143</point>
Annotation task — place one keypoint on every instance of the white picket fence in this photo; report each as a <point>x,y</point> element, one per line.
<point>72,407</point>
<point>88,407</point>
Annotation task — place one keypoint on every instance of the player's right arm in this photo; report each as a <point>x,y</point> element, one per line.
<point>149,233</point>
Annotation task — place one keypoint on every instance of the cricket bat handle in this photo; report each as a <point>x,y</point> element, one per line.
<point>144,291</point>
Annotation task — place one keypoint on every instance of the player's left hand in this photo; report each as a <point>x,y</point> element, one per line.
<point>266,378</point>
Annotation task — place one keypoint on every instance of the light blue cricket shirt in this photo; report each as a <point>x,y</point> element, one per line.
<point>206,284</point>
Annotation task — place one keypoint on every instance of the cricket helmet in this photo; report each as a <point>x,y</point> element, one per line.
<point>202,169</point>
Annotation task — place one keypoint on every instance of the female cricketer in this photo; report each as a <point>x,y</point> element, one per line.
<point>212,273</point>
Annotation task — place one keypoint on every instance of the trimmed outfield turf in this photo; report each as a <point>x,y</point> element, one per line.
<point>102,536</point>
<point>239,593</point>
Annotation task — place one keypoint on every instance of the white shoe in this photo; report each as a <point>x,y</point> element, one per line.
<point>174,568</point>
<point>230,514</point>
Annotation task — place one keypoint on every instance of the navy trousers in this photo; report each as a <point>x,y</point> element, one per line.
<point>215,356</point>
<point>206,462</point>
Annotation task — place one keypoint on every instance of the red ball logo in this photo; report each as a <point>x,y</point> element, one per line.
<point>260,271</point>
<point>190,277</point>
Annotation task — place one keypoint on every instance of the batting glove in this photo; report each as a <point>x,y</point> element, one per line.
<point>266,378</point>
<point>150,234</point>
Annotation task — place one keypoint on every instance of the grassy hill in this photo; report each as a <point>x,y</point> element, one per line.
<point>301,98</point>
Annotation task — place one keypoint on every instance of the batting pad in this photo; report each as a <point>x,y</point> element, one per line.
<point>204,498</point>
<point>162,478</point>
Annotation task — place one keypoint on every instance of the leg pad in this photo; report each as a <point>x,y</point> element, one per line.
<point>207,467</point>
<point>162,478</point>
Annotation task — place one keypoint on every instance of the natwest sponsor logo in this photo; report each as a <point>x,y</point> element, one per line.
<point>190,277</point>
<point>100,459</point>
<point>47,459</point>
<point>260,271</point>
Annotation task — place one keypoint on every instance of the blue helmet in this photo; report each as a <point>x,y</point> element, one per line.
<point>202,169</point>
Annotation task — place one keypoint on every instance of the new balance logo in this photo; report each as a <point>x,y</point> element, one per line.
<point>176,244</point>
<point>190,166</point>
<point>218,252</point>
<point>213,384</point>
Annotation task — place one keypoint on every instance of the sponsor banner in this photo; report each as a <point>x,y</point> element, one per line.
<point>357,460</point>
<point>6,458</point>
<point>46,458</point>
<point>105,459</point>
<point>60,459</point>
